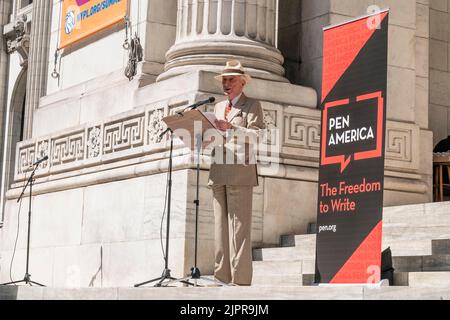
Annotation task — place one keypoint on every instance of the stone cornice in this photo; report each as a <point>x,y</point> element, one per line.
<point>128,145</point>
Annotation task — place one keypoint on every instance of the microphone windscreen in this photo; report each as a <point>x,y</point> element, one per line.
<point>212,99</point>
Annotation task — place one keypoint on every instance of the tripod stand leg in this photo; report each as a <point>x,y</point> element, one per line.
<point>182,280</point>
<point>13,282</point>
<point>36,283</point>
<point>147,282</point>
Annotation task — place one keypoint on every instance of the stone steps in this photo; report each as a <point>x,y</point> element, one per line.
<point>256,293</point>
<point>304,240</point>
<point>398,247</point>
<point>391,233</point>
<point>278,280</point>
<point>283,254</point>
<point>431,220</point>
<point>433,262</point>
<point>298,280</point>
<point>419,247</point>
<point>418,236</point>
<point>441,246</point>
<point>417,210</point>
<point>283,267</point>
<point>422,279</point>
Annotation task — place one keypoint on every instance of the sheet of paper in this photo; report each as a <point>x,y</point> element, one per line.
<point>211,116</point>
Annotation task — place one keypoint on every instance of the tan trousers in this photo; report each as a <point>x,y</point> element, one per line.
<point>233,226</point>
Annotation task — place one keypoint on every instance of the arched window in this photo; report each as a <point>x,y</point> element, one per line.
<point>24,3</point>
<point>14,132</point>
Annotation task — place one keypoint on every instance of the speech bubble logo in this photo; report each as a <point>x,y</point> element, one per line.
<point>344,160</point>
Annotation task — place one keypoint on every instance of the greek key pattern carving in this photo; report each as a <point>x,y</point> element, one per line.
<point>302,132</point>
<point>26,158</point>
<point>68,148</point>
<point>124,134</point>
<point>399,145</point>
<point>298,131</point>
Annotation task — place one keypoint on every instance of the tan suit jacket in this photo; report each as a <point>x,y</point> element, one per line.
<point>247,118</point>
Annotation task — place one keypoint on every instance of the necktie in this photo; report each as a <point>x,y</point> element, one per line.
<point>228,109</point>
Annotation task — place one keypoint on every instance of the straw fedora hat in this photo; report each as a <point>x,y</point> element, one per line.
<point>234,68</point>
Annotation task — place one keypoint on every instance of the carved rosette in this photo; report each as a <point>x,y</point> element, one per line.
<point>94,142</point>
<point>155,127</point>
<point>42,151</point>
<point>269,135</point>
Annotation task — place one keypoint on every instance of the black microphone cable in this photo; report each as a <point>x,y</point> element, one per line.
<point>162,218</point>
<point>17,233</point>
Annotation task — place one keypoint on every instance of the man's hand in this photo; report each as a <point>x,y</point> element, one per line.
<point>223,125</point>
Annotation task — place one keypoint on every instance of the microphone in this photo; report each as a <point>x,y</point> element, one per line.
<point>40,160</point>
<point>200,103</point>
<point>197,104</point>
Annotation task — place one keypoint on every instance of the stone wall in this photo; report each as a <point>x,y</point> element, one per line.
<point>439,111</point>
<point>289,37</point>
<point>92,84</point>
<point>154,21</point>
<point>314,16</point>
<point>104,235</point>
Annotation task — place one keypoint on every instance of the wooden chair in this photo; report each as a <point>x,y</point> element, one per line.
<point>439,185</point>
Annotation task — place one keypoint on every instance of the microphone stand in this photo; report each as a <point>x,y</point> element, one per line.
<point>195,271</point>
<point>27,278</point>
<point>166,272</point>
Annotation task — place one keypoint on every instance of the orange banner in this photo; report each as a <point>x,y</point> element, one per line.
<point>82,18</point>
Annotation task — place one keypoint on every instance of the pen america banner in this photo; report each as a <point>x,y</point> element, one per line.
<point>350,195</point>
<point>82,18</point>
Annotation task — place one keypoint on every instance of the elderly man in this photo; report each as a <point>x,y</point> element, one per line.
<point>232,183</point>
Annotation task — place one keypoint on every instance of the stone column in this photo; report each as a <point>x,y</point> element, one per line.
<point>38,60</point>
<point>5,10</point>
<point>209,32</point>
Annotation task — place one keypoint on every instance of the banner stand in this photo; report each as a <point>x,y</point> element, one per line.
<point>352,152</point>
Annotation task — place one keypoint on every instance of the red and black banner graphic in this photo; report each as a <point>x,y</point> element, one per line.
<point>350,195</point>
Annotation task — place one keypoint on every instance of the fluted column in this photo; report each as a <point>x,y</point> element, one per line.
<point>209,32</point>
<point>38,59</point>
<point>5,11</point>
